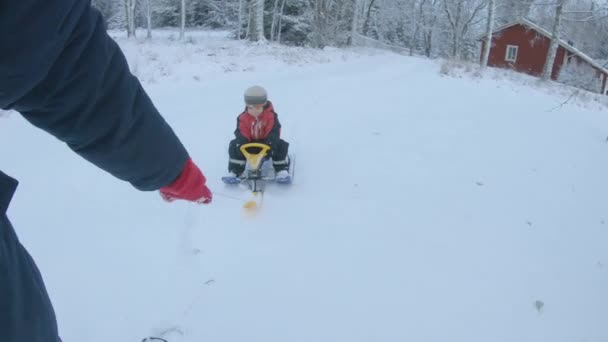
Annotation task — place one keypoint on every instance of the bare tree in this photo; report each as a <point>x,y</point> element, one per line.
<point>417,16</point>
<point>584,23</point>
<point>368,16</point>
<point>551,54</point>
<point>321,13</point>
<point>461,15</point>
<point>331,22</point>
<point>489,30</point>
<point>444,27</point>
<point>428,17</point>
<point>509,10</point>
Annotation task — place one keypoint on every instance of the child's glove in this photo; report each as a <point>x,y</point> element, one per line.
<point>189,186</point>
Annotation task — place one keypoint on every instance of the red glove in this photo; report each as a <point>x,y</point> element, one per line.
<point>189,186</point>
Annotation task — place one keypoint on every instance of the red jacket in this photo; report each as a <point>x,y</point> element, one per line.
<point>265,128</point>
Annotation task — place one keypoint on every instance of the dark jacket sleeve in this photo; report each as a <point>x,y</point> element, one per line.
<point>69,78</point>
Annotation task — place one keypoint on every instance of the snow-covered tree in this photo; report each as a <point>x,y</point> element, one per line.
<point>580,75</point>
<point>510,10</point>
<point>431,27</point>
<point>462,16</point>
<point>354,28</point>
<point>130,17</point>
<point>429,14</point>
<point>321,22</point>
<point>555,37</point>
<point>256,21</point>
<point>584,25</point>
<point>489,30</point>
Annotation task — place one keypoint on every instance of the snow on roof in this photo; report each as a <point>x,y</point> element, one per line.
<point>563,43</point>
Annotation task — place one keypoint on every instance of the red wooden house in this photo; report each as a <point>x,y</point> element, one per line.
<point>523,46</point>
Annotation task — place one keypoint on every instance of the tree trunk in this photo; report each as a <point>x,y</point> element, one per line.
<point>428,49</point>
<point>320,23</point>
<point>355,23</point>
<point>240,21</point>
<point>149,18</point>
<point>256,22</point>
<point>260,20</point>
<point>367,17</point>
<point>454,27</point>
<point>428,22</point>
<point>275,18</point>
<point>128,22</point>
<point>415,25</point>
<point>489,29</point>
<point>247,8</point>
<point>130,14</point>
<point>281,20</point>
<point>551,54</point>
<point>133,27</point>
<point>182,28</point>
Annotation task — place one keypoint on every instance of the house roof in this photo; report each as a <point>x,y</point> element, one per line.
<point>563,43</point>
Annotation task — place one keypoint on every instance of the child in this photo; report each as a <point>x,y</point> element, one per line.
<point>258,123</point>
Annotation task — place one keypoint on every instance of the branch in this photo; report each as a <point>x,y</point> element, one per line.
<point>476,11</point>
<point>478,21</point>
<point>595,11</point>
<point>447,11</point>
<point>574,93</point>
<point>465,27</point>
<point>547,4</point>
<point>586,19</point>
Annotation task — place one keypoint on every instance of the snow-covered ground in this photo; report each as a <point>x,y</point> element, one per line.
<point>425,207</point>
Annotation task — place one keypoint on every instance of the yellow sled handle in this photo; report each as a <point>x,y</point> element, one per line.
<point>255,159</point>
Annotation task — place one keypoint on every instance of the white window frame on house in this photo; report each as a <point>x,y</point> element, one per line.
<point>510,48</point>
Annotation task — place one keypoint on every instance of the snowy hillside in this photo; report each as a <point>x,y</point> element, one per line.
<point>424,208</point>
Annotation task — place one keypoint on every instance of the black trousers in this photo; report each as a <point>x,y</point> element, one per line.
<point>26,312</point>
<point>278,152</point>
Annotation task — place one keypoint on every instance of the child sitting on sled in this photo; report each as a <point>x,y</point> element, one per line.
<point>258,123</point>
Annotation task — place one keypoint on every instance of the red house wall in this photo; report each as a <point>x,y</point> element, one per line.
<point>532,51</point>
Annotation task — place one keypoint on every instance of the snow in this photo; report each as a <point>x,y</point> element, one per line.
<point>425,207</point>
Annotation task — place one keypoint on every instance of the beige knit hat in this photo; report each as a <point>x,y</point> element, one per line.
<point>255,95</point>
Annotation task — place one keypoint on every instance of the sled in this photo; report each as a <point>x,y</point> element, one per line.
<point>259,171</point>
